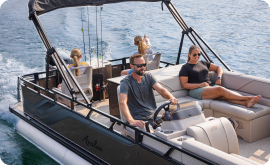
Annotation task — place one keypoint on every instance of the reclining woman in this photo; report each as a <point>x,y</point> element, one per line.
<point>76,55</point>
<point>144,47</point>
<point>194,76</point>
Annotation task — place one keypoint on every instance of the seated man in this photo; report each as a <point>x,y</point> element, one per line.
<point>136,98</point>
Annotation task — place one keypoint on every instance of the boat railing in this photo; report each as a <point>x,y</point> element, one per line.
<point>23,81</point>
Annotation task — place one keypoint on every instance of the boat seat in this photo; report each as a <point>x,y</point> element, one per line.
<point>84,80</point>
<point>153,64</point>
<point>212,154</point>
<point>125,130</point>
<point>251,122</point>
<point>218,133</point>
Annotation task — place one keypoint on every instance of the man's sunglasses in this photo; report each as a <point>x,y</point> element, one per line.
<point>140,65</point>
<point>199,54</point>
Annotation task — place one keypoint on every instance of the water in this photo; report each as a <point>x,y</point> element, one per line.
<point>239,31</point>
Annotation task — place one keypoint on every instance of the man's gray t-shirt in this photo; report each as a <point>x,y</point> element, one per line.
<point>141,101</point>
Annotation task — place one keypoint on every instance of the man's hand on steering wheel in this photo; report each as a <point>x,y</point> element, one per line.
<point>173,101</point>
<point>137,123</point>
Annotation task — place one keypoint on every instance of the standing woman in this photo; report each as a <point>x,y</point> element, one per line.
<point>194,76</point>
<point>144,47</point>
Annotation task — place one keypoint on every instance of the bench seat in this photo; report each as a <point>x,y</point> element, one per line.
<point>253,122</point>
<point>213,154</point>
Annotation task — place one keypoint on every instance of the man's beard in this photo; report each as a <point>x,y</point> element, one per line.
<point>139,73</point>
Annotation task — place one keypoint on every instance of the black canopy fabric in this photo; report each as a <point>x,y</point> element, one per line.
<point>44,6</point>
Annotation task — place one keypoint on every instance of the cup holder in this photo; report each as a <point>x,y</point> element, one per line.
<point>167,132</point>
<point>181,139</point>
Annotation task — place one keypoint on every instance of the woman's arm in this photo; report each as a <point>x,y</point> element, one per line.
<point>219,72</point>
<point>185,84</point>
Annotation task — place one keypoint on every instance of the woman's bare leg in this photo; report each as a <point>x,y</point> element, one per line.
<point>249,103</point>
<point>233,101</point>
<point>218,91</point>
<point>222,93</point>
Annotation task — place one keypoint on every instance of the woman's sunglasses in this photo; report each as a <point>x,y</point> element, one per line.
<point>199,54</point>
<point>140,65</point>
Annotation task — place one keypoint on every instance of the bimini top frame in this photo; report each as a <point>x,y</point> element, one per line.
<point>38,7</point>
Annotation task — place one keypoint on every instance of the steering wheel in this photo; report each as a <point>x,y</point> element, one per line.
<point>166,107</point>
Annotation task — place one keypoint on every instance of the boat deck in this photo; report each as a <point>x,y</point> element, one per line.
<point>258,151</point>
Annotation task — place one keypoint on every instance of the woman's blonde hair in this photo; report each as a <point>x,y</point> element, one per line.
<point>76,55</point>
<point>191,49</point>
<point>138,40</point>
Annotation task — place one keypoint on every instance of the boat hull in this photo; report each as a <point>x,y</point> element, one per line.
<point>51,147</point>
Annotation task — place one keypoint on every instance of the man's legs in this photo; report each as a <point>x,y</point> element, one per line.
<point>218,92</point>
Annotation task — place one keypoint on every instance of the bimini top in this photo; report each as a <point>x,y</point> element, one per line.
<point>44,6</point>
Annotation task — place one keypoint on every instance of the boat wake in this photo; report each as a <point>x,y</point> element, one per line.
<point>4,111</point>
<point>10,70</point>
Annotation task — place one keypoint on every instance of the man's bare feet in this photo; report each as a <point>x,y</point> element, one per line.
<point>250,103</point>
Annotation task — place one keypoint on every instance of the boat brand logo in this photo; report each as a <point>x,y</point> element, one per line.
<point>214,128</point>
<point>92,144</point>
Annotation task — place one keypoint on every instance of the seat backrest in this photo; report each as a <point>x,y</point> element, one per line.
<point>125,130</point>
<point>218,133</point>
<point>84,80</point>
<point>153,64</point>
<point>121,114</point>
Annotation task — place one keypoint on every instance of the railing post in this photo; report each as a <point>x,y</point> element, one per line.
<point>180,48</point>
<point>124,62</point>
<point>18,90</point>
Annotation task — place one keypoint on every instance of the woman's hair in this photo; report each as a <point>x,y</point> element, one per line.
<point>191,49</point>
<point>76,55</point>
<point>138,40</point>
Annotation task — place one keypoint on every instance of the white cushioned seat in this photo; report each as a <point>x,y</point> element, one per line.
<point>240,111</point>
<point>85,82</point>
<point>154,63</point>
<point>218,133</point>
<point>212,154</point>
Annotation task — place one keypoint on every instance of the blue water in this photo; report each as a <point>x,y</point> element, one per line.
<point>239,31</point>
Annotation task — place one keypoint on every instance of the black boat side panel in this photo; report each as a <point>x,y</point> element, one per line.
<point>148,159</point>
<point>103,143</point>
<point>108,145</point>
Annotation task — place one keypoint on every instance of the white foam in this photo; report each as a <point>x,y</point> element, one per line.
<point>1,2</point>
<point>10,70</point>
<point>2,163</point>
<point>4,109</point>
<point>268,2</point>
